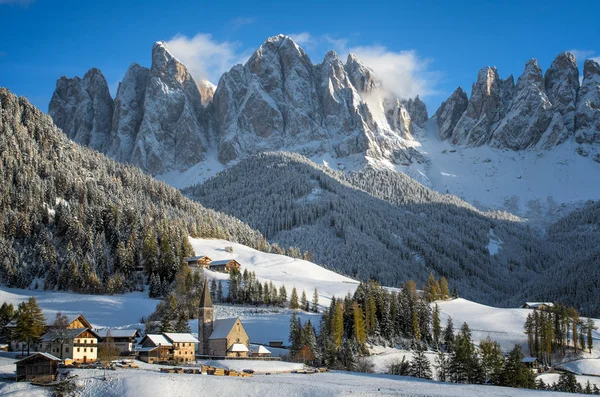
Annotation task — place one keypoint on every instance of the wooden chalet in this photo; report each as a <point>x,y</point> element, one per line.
<point>155,348</point>
<point>538,305</point>
<point>224,266</point>
<point>77,344</point>
<point>199,261</point>
<point>124,339</point>
<point>39,367</point>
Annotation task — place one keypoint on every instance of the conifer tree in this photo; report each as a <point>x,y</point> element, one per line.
<point>590,327</point>
<point>436,326</point>
<point>282,295</point>
<point>304,302</point>
<point>442,366</point>
<point>515,373</point>
<point>444,290</point>
<point>294,299</point>
<point>359,325</point>
<point>30,322</point>
<point>492,360</point>
<point>420,367</point>
<point>449,334</point>
<point>337,324</point>
<point>315,301</point>
<point>182,325</point>
<point>295,335</point>
<point>220,292</point>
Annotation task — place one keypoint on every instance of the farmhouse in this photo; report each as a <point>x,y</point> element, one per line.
<point>538,305</point>
<point>219,338</point>
<point>39,367</point>
<point>225,265</point>
<point>199,261</point>
<point>260,351</point>
<point>76,321</point>
<point>77,344</point>
<point>184,346</point>
<point>124,339</point>
<point>155,348</point>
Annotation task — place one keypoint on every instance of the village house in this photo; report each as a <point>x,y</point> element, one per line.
<point>538,305</point>
<point>260,351</point>
<point>224,266</point>
<point>199,261</point>
<point>39,367</point>
<point>77,344</point>
<point>219,338</point>
<point>184,346</point>
<point>74,321</point>
<point>124,339</point>
<point>155,348</point>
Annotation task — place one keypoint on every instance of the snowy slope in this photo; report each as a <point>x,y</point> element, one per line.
<point>536,184</point>
<point>280,269</point>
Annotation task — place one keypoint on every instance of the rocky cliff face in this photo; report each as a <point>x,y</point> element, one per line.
<point>541,111</point>
<point>279,100</point>
<point>587,113</point>
<point>83,109</point>
<point>156,121</point>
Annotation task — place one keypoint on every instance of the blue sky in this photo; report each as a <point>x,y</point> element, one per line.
<point>421,46</point>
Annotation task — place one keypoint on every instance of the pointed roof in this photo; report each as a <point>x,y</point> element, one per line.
<point>205,300</point>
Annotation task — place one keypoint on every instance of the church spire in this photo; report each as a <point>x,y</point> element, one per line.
<point>205,300</point>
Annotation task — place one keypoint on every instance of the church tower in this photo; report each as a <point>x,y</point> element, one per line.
<point>205,320</point>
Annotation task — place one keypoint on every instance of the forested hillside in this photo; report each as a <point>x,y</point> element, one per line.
<point>379,225</point>
<point>77,220</point>
<point>575,280</point>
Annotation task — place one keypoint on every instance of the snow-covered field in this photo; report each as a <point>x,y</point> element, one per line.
<point>148,381</point>
<point>280,269</point>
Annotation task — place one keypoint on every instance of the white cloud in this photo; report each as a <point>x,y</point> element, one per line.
<point>205,57</point>
<point>582,55</point>
<point>302,39</point>
<point>403,73</point>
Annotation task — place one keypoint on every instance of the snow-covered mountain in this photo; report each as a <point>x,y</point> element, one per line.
<point>527,147</point>
<point>279,100</point>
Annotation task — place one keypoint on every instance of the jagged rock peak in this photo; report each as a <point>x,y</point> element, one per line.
<point>531,75</point>
<point>83,108</point>
<point>361,76</point>
<point>450,112</point>
<point>418,111</point>
<point>207,91</point>
<point>561,85</point>
<point>587,116</point>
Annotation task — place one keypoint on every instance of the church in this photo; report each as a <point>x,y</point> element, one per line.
<point>219,338</point>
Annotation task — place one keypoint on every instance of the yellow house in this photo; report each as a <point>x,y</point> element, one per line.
<point>184,346</point>
<point>77,344</point>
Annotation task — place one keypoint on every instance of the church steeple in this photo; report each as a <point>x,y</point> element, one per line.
<point>205,320</point>
<point>205,299</point>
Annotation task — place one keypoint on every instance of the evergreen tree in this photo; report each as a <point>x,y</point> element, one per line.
<point>295,335</point>
<point>492,360</point>
<point>182,325</point>
<point>442,366</point>
<point>165,323</point>
<point>464,362</point>
<point>304,302</point>
<point>515,373</point>
<point>7,314</point>
<point>30,323</point>
<point>213,289</point>
<point>590,327</point>
<point>315,301</point>
<point>220,292</point>
<point>449,334</point>
<point>348,359</point>
<point>294,299</point>
<point>567,382</point>
<point>282,295</point>
<point>436,327</point>
<point>420,367</point>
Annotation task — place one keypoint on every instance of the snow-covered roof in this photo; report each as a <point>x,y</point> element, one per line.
<point>238,347</point>
<point>222,327</point>
<point>158,340</point>
<point>146,349</point>
<point>262,350</point>
<point>70,333</point>
<point>221,262</point>
<point>117,333</point>
<point>529,359</point>
<point>180,337</point>
<point>47,355</point>
<point>538,304</point>
<point>196,258</point>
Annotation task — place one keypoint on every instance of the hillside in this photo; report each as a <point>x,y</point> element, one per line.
<point>72,219</point>
<point>379,224</point>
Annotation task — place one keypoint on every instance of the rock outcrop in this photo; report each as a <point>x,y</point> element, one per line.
<point>83,109</point>
<point>450,111</point>
<point>587,115</point>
